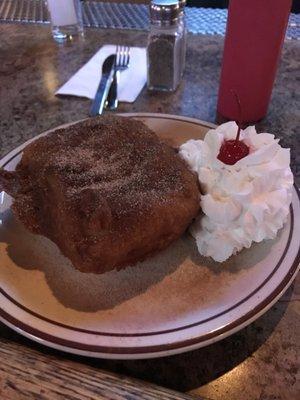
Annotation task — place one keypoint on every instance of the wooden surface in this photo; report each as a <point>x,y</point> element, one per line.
<point>259,362</point>
<point>28,374</point>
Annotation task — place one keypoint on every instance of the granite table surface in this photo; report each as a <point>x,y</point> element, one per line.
<point>259,362</point>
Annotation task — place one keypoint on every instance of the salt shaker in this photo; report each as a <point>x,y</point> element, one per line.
<point>166,45</point>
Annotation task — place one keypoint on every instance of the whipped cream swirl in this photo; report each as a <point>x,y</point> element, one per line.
<point>242,203</point>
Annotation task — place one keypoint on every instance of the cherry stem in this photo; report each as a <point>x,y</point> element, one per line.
<point>238,134</point>
<point>239,121</point>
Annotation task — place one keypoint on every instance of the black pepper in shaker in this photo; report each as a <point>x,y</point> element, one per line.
<point>182,4</point>
<point>166,45</point>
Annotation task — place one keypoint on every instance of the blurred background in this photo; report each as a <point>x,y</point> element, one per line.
<point>205,3</point>
<point>224,4</point>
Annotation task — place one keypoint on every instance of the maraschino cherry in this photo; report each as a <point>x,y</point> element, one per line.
<point>234,150</point>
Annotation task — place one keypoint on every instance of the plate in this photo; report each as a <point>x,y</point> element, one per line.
<point>171,303</point>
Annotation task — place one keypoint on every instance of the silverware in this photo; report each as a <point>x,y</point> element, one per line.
<point>104,86</point>
<point>122,63</point>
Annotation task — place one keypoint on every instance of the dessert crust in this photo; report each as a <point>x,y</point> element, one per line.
<point>106,190</point>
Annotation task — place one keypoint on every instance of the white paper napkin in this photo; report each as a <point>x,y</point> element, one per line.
<point>84,82</point>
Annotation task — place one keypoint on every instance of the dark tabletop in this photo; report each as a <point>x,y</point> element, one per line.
<point>259,362</point>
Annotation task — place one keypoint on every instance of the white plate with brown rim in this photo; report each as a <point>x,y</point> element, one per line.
<point>174,302</point>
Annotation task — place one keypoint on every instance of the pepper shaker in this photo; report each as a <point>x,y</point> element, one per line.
<point>182,4</point>
<point>166,45</point>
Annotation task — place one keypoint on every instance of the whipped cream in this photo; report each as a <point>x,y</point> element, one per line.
<point>241,203</point>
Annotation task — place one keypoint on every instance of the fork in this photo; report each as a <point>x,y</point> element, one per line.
<point>122,63</point>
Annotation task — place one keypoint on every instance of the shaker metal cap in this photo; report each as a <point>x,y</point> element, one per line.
<point>182,4</point>
<point>164,12</point>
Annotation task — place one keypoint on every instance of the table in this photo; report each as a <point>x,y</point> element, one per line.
<point>259,362</point>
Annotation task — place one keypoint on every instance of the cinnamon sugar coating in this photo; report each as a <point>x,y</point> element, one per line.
<point>106,190</point>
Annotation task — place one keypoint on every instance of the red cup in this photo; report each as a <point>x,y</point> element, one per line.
<point>254,37</point>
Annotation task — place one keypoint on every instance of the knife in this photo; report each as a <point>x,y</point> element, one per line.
<point>112,97</point>
<point>104,85</point>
